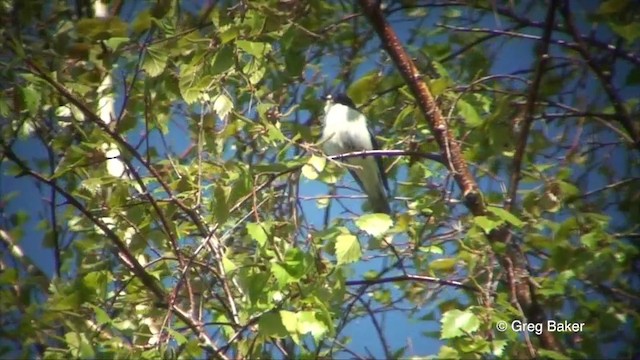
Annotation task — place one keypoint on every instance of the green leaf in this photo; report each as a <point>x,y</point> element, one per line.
<point>256,283</point>
<point>418,12</point>
<point>31,97</point>
<point>102,317</point>
<point>347,249</point>
<point>274,134</point>
<point>222,105</point>
<point>447,352</point>
<point>294,62</point>
<point>270,325</point>
<point>257,49</point>
<point>290,322</point>
<point>281,274</point>
<point>374,224</point>
<point>155,60</point>
<point>469,113</point>
<point>629,32</point>
<point>273,168</point>
<point>485,223</point>
<point>431,249</point>
<point>177,336</point>
<point>361,89</point>
<point>498,347</point>
<point>8,276</point>
<point>228,265</point>
<point>79,345</point>
<point>314,167</point>
<point>441,70</point>
<point>4,107</point>
<point>190,88</point>
<point>101,28</point>
<point>331,174</point>
<point>633,78</point>
<point>223,60</point>
<point>558,285</point>
<point>550,354</point>
<point>613,6</point>
<point>295,262</point>
<point>257,233</point>
<point>444,264</point>
<point>456,323</point>
<point>255,70</point>
<point>590,240</point>
<point>219,205</point>
<point>307,323</point>
<point>438,86</point>
<point>228,33</point>
<point>142,22</point>
<point>404,117</point>
<point>114,43</point>
<point>506,216</point>
<point>256,21</point>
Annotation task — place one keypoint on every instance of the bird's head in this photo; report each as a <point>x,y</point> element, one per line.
<point>339,98</point>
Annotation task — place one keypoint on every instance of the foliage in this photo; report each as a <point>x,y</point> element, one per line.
<point>190,219</point>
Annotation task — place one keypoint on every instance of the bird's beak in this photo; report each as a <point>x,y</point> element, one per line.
<point>327,97</point>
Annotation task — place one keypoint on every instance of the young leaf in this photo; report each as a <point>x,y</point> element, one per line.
<point>347,249</point>
<point>457,323</point>
<point>469,113</point>
<point>307,323</point>
<point>444,264</point>
<point>506,216</point>
<point>257,233</point>
<point>314,167</point>
<point>485,223</point>
<point>222,105</point>
<point>270,325</point>
<point>374,224</point>
<point>155,60</point>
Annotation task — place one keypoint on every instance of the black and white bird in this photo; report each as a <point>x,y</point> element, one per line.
<point>346,130</point>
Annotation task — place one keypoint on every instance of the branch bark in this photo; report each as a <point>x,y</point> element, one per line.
<point>450,149</point>
<point>514,261</point>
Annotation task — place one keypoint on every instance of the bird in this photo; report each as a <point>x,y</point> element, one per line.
<point>346,130</point>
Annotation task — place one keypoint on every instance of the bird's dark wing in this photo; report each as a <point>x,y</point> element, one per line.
<point>355,176</point>
<point>379,160</point>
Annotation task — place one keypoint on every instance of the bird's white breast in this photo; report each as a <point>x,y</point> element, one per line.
<point>345,130</point>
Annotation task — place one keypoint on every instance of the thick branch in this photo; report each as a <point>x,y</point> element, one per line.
<point>514,261</point>
<point>450,149</point>
<point>530,106</point>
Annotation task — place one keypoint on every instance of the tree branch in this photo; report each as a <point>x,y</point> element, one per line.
<point>129,259</point>
<point>521,145</point>
<point>450,149</point>
<point>623,116</point>
<point>381,153</point>
<point>454,161</point>
<point>410,277</point>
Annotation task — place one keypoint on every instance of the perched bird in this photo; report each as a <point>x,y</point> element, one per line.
<point>346,130</point>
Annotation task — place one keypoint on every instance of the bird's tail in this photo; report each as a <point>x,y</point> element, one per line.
<point>378,199</point>
<point>371,182</point>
